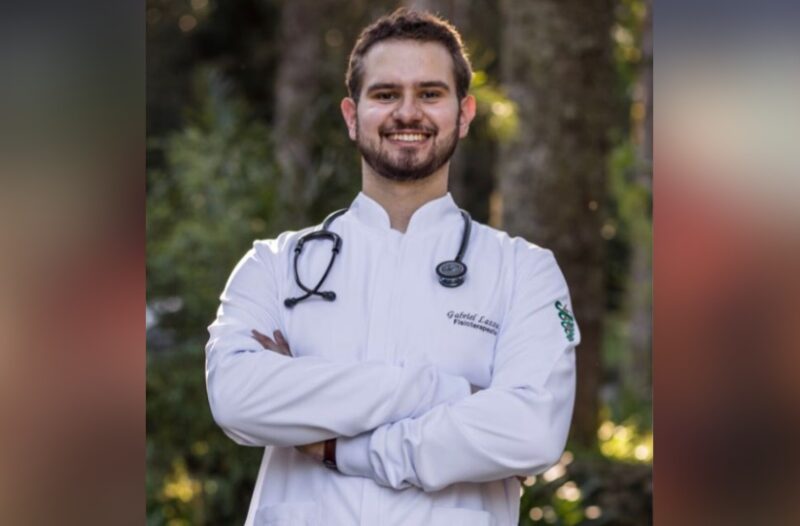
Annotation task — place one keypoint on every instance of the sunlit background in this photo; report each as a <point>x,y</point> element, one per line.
<point>245,140</point>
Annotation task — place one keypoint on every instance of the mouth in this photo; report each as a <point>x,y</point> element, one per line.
<point>409,138</point>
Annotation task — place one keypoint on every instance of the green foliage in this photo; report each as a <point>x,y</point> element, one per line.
<point>631,18</point>
<point>499,111</point>
<point>628,227</point>
<point>634,200</point>
<point>626,406</point>
<point>196,474</point>
<point>630,207</point>
<point>216,194</point>
<point>585,489</point>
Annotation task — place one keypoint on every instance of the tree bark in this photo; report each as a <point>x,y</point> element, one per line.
<point>297,86</point>
<point>557,65</point>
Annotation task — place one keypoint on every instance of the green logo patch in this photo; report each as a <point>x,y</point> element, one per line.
<point>567,320</point>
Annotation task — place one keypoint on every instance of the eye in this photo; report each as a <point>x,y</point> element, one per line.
<point>430,94</point>
<point>385,96</point>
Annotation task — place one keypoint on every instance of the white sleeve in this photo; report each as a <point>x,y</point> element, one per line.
<point>517,426</point>
<point>259,397</point>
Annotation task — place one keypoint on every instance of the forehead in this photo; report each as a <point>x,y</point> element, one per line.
<point>408,62</point>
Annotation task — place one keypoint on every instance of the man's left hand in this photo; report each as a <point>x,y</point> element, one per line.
<point>278,344</point>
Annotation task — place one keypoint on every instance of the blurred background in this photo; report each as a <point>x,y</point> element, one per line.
<point>72,241</point>
<point>245,140</point>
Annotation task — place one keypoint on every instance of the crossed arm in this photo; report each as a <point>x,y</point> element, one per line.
<point>417,427</point>
<point>424,451</point>
<point>278,344</point>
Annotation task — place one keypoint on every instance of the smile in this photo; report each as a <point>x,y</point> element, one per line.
<point>407,137</point>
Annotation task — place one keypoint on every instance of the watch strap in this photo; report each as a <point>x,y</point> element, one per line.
<point>329,457</point>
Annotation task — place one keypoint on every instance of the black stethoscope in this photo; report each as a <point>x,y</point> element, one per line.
<point>451,273</point>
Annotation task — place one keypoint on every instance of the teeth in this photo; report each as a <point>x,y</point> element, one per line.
<point>408,137</point>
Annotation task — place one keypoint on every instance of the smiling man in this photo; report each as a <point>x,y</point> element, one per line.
<point>401,364</point>
<point>410,117</point>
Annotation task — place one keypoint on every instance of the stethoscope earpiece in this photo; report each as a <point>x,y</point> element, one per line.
<point>451,273</point>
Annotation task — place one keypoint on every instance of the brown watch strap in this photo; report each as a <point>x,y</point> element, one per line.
<point>329,457</point>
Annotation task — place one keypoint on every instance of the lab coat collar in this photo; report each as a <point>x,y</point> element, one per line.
<point>427,217</point>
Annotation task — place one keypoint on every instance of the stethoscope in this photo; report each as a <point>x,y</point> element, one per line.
<point>451,273</point>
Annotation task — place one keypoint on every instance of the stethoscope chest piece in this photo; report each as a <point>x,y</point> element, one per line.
<point>451,273</point>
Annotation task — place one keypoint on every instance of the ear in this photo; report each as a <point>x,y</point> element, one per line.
<point>468,107</point>
<point>348,107</point>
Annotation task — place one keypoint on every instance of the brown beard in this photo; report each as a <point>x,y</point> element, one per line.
<point>405,168</point>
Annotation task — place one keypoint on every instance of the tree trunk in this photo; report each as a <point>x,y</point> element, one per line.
<point>557,65</point>
<point>297,86</point>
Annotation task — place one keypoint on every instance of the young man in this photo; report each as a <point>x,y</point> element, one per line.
<point>419,393</point>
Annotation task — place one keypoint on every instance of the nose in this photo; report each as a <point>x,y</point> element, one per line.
<point>407,110</point>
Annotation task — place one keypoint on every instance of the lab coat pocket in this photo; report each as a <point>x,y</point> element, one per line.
<point>460,516</point>
<point>289,514</point>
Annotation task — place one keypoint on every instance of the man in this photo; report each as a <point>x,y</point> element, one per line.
<point>401,401</point>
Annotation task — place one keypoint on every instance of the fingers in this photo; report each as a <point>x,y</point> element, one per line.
<point>266,342</point>
<point>269,344</point>
<point>263,339</point>
<point>282,341</point>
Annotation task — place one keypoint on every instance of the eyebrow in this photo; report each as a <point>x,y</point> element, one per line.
<point>390,85</point>
<point>435,84</point>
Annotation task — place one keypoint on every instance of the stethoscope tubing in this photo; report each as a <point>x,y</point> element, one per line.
<point>451,274</point>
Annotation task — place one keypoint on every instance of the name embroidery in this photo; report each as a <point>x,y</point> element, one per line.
<point>567,320</point>
<point>474,321</point>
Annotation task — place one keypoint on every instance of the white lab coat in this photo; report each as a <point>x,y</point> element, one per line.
<point>388,367</point>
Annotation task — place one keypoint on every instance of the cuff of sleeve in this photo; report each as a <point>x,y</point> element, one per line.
<point>352,455</point>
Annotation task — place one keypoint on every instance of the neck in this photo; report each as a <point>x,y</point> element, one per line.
<point>401,199</point>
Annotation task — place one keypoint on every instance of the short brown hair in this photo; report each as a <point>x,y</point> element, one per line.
<point>406,24</point>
